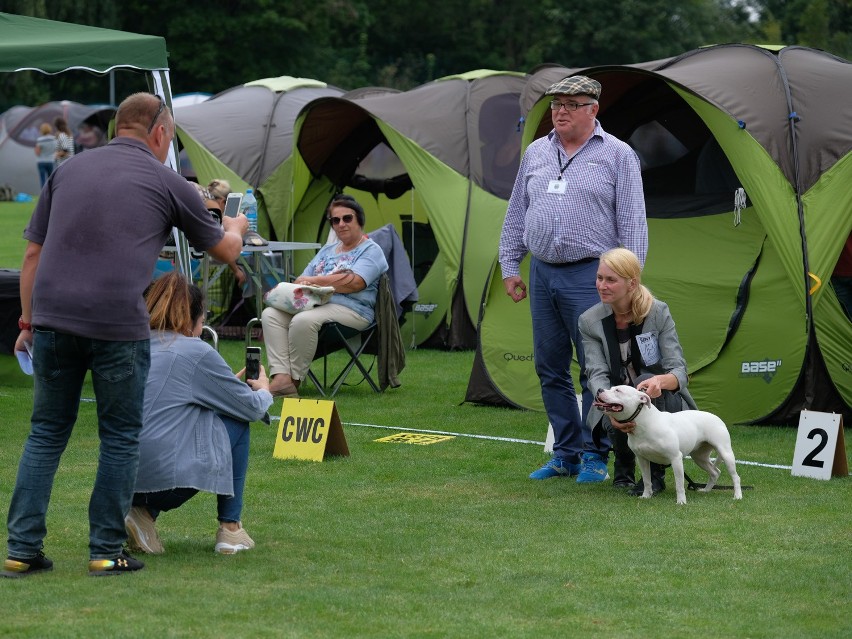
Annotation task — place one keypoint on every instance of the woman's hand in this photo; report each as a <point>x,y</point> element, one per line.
<point>654,386</point>
<point>651,387</point>
<point>624,427</point>
<point>239,275</point>
<point>262,381</point>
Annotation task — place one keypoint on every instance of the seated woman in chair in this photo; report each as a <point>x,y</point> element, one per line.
<point>195,425</point>
<point>353,266</point>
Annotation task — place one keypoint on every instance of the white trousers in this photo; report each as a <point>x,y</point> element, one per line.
<point>291,340</point>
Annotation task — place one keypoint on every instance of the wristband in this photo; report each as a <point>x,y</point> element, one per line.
<point>24,326</point>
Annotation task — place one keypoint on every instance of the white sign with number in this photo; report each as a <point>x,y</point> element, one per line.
<point>816,444</point>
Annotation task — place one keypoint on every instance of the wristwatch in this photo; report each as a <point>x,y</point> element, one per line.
<point>24,326</point>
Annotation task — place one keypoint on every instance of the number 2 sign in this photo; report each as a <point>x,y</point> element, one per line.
<point>820,447</point>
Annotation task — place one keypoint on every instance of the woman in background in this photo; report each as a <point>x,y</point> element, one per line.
<point>219,190</point>
<point>352,265</point>
<point>195,423</point>
<point>64,142</point>
<point>45,148</point>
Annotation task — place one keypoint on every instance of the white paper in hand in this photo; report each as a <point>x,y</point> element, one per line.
<point>25,360</point>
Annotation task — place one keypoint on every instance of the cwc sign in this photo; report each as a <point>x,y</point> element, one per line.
<point>309,429</point>
<point>301,428</point>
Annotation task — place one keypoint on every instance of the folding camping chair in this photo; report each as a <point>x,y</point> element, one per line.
<point>382,338</point>
<point>334,337</point>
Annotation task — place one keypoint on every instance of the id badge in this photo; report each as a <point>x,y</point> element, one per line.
<point>557,186</point>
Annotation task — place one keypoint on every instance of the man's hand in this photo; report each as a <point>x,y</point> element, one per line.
<point>238,224</point>
<point>24,338</point>
<point>515,288</point>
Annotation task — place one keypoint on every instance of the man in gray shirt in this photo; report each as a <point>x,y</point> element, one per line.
<point>93,240</point>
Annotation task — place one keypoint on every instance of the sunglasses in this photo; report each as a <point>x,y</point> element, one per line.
<point>347,219</point>
<point>157,114</point>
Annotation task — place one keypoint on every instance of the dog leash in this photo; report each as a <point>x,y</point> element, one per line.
<point>692,485</point>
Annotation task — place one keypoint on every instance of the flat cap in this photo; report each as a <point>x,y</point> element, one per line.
<point>575,85</point>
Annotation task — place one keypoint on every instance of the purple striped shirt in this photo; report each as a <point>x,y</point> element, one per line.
<point>602,207</point>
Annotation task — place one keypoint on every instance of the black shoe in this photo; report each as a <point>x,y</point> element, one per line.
<point>15,567</point>
<point>623,484</point>
<point>122,564</point>
<point>658,485</point>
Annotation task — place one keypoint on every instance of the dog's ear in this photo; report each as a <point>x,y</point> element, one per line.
<point>644,398</point>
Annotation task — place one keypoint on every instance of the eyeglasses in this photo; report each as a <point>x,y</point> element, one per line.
<point>555,105</point>
<point>157,114</point>
<point>347,219</point>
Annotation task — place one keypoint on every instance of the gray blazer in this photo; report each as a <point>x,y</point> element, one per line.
<point>603,358</point>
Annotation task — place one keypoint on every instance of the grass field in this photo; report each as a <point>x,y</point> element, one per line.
<point>445,540</point>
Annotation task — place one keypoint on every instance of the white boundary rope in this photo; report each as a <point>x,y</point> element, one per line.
<point>512,440</point>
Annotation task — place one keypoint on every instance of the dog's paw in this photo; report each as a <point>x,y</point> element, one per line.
<point>681,501</point>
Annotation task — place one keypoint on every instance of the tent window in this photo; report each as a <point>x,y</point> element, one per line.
<point>683,176</point>
<point>656,146</point>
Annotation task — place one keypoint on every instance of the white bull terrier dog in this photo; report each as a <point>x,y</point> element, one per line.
<point>666,438</point>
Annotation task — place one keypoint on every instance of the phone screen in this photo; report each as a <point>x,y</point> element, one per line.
<point>252,362</point>
<point>232,204</point>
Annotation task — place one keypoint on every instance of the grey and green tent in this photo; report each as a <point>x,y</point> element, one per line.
<point>745,272</point>
<point>438,162</point>
<point>245,135</point>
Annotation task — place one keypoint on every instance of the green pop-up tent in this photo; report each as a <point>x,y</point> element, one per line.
<point>245,135</point>
<point>437,162</point>
<point>763,332</point>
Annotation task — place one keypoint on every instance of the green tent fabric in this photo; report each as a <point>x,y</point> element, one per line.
<point>438,163</point>
<point>763,333</point>
<point>53,47</point>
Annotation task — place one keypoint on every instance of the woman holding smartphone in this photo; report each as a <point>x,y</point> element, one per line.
<point>195,424</point>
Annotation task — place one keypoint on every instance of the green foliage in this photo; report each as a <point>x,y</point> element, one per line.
<point>354,43</point>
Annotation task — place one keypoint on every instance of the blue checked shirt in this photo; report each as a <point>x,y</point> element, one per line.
<point>602,207</point>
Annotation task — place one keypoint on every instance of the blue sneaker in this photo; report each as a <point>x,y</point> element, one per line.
<point>594,469</point>
<point>556,467</point>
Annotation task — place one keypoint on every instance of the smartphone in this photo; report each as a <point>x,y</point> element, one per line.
<point>252,362</point>
<point>232,204</point>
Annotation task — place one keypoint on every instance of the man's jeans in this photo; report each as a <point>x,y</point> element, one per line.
<point>119,371</point>
<point>559,294</point>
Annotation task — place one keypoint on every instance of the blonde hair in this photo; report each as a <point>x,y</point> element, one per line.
<point>174,303</point>
<point>219,189</point>
<point>625,264</point>
<point>45,129</point>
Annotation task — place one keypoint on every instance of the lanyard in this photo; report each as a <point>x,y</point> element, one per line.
<point>567,164</point>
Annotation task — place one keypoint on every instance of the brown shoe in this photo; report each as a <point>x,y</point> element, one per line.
<point>285,390</point>
<point>282,385</point>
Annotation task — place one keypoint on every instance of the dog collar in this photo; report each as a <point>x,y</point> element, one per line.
<point>633,416</point>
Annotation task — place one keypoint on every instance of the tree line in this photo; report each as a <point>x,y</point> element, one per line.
<point>217,44</point>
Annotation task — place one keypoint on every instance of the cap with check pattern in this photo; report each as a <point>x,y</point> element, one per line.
<point>575,85</point>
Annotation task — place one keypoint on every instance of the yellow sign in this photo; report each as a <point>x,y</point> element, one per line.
<point>420,439</point>
<point>309,429</point>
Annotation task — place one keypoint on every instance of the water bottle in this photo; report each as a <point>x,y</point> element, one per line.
<point>249,209</point>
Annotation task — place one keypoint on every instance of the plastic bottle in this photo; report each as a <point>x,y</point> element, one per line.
<point>249,209</point>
